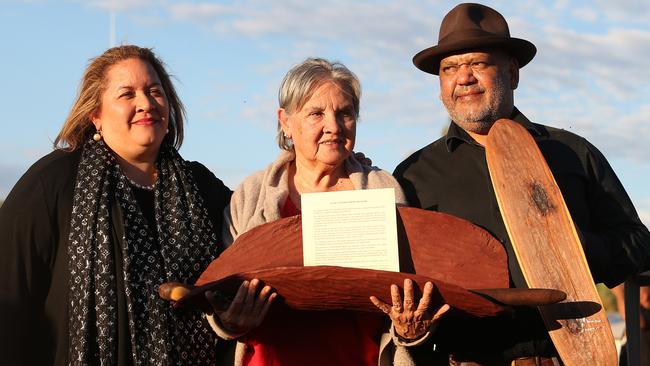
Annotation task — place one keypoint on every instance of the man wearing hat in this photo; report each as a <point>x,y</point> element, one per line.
<point>478,62</point>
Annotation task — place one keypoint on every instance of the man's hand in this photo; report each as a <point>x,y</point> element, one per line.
<point>410,323</point>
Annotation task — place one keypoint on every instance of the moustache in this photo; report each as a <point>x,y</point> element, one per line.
<point>464,90</point>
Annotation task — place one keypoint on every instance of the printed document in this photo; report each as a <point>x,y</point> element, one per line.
<point>350,229</point>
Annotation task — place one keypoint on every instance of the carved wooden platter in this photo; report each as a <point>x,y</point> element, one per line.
<point>452,253</point>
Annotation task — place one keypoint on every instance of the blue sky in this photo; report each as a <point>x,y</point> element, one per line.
<point>590,75</point>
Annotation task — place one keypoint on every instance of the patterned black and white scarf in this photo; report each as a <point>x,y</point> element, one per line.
<point>177,247</point>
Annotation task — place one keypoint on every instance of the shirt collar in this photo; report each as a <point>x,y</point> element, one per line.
<point>456,135</point>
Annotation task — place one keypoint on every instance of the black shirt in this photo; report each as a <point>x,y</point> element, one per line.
<point>450,175</point>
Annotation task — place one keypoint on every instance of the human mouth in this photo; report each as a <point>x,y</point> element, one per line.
<point>330,142</point>
<point>468,95</point>
<point>145,121</point>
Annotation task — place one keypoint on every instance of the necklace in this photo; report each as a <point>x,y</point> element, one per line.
<point>141,186</point>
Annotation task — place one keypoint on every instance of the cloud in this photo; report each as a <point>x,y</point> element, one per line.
<point>629,12</point>
<point>585,76</point>
<point>201,13</point>
<point>123,5</point>
<point>585,14</point>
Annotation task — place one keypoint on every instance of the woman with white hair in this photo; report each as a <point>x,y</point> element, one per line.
<point>317,117</point>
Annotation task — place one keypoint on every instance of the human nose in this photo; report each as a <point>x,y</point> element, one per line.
<point>332,123</point>
<point>465,74</point>
<point>144,103</point>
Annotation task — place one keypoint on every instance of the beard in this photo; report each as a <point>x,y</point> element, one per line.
<point>479,119</point>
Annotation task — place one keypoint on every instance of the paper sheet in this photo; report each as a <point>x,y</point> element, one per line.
<point>350,229</point>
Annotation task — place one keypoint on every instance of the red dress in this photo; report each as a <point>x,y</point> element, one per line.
<point>290,337</point>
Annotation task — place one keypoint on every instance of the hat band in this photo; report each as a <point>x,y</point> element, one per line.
<point>468,34</point>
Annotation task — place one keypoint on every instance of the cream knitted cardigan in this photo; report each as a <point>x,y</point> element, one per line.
<point>259,199</point>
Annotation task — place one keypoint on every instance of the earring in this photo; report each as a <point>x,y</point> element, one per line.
<point>97,136</point>
<point>166,132</point>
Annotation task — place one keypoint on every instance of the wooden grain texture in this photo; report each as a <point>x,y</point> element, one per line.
<point>547,246</point>
<point>331,287</point>
<point>450,252</point>
<point>431,244</point>
<point>441,248</point>
<point>450,249</point>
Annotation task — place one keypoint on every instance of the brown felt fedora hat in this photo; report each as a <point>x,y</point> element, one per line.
<point>471,26</point>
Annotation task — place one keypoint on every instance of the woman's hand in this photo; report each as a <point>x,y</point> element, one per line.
<point>247,310</point>
<point>410,323</point>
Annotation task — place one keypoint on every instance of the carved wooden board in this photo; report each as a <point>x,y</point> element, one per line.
<point>547,246</point>
<point>452,253</point>
<point>331,287</point>
<point>431,244</point>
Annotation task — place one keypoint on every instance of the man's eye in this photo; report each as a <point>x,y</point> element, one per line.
<point>450,69</point>
<point>479,65</point>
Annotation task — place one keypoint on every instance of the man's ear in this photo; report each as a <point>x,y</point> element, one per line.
<point>283,120</point>
<point>514,73</point>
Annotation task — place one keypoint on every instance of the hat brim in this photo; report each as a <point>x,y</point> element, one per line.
<point>428,60</point>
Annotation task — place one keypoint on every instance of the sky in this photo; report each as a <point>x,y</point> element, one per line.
<point>590,75</point>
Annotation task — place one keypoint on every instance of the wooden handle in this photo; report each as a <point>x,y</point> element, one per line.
<point>523,297</point>
<point>173,291</point>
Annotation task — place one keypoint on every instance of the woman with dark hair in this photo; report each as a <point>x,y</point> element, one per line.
<point>92,229</point>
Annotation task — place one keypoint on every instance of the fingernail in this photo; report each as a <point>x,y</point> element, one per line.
<point>245,283</point>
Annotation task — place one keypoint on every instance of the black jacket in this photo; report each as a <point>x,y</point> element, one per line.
<point>34,273</point>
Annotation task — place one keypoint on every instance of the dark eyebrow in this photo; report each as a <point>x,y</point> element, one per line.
<point>348,108</point>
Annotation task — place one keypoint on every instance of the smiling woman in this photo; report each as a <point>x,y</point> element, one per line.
<point>133,116</point>
<point>93,228</point>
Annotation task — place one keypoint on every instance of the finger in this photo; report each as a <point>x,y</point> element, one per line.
<point>441,311</point>
<point>408,295</point>
<point>425,301</point>
<point>380,304</point>
<point>262,299</point>
<point>209,295</point>
<point>235,307</point>
<point>265,309</point>
<point>251,296</point>
<point>396,298</point>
